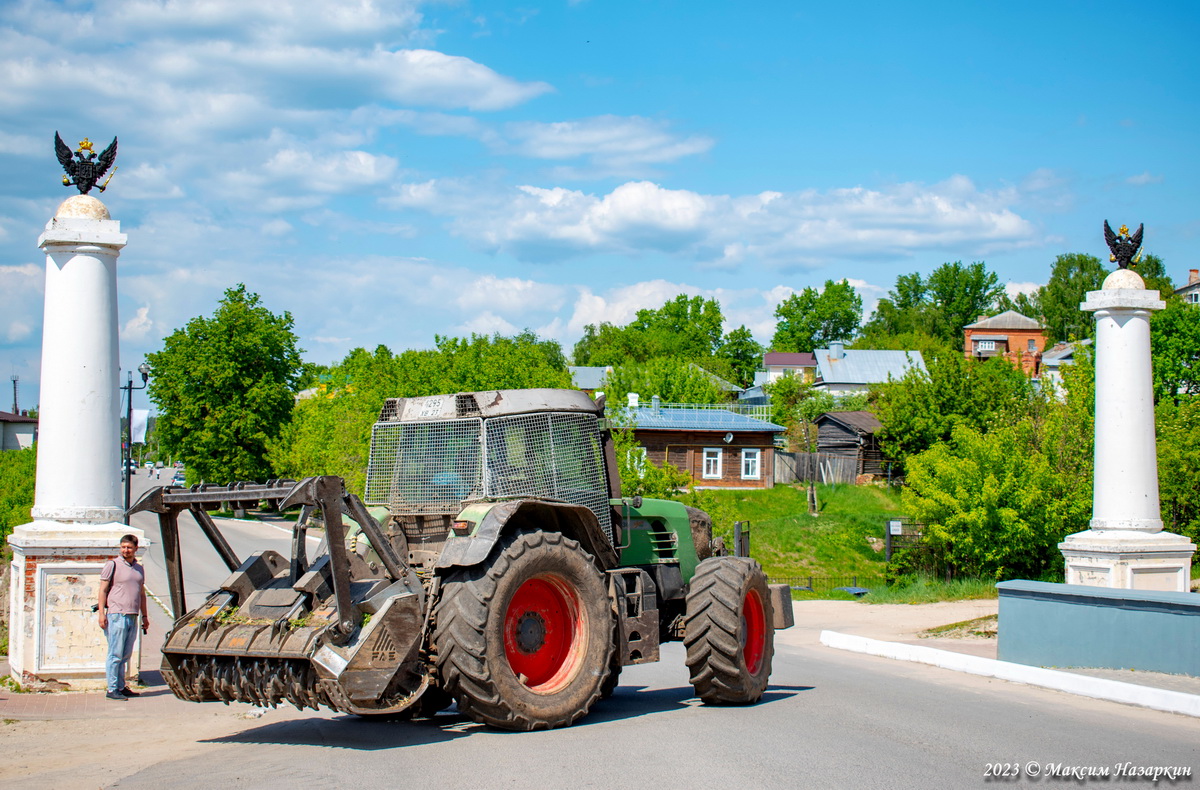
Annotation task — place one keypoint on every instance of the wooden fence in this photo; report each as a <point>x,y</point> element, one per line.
<point>822,467</point>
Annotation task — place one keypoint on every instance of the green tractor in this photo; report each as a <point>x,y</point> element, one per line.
<point>492,562</point>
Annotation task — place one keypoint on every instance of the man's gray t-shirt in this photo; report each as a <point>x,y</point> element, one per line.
<point>125,595</point>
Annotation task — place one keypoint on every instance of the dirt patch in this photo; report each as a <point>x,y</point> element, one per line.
<point>977,628</point>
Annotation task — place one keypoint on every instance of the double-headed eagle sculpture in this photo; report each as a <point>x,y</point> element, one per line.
<point>85,169</point>
<point>1123,245</point>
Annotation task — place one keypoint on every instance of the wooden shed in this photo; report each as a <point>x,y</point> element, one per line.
<point>852,434</point>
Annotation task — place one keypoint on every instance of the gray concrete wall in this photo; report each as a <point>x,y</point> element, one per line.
<point>1070,625</point>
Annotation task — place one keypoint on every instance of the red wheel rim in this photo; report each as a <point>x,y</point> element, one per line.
<point>543,633</point>
<point>754,632</point>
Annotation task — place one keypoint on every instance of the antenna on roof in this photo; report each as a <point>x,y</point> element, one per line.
<point>15,378</point>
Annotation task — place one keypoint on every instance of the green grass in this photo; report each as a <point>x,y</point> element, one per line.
<point>789,542</point>
<point>924,590</point>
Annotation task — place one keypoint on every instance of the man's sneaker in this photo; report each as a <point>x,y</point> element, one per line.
<point>128,692</point>
<point>115,695</point>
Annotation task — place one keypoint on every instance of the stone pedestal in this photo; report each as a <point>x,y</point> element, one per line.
<point>77,501</point>
<point>1126,547</point>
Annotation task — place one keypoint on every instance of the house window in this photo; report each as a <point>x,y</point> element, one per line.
<point>1032,346</point>
<point>1193,297</point>
<point>985,345</point>
<point>750,464</point>
<point>712,463</point>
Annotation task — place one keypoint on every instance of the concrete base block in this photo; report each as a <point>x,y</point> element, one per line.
<point>55,578</point>
<point>1129,560</point>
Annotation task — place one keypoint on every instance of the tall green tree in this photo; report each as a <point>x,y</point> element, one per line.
<point>953,296</point>
<point>1175,348</point>
<point>960,294</point>
<point>673,380</point>
<point>1178,425</point>
<point>224,387</point>
<point>1154,273</point>
<point>688,327</point>
<point>741,355</point>
<point>330,433</point>
<point>925,406</point>
<point>811,319</point>
<point>1072,276</point>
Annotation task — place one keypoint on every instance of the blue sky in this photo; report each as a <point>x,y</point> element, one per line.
<point>391,171</point>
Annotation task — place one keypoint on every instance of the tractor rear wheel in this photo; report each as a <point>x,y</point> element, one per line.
<point>730,636</point>
<point>525,641</point>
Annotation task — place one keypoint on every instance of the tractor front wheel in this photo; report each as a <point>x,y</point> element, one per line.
<point>730,636</point>
<point>525,641</point>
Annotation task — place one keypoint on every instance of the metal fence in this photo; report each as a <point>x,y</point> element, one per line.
<point>827,584</point>
<point>821,467</point>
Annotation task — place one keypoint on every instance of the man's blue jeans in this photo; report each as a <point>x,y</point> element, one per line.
<point>122,633</point>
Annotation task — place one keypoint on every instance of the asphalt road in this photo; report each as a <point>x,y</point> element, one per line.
<point>830,720</point>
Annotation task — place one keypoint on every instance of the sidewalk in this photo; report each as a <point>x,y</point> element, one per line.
<point>903,624</point>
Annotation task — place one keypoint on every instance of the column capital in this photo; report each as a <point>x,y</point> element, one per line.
<point>73,232</point>
<point>1116,299</point>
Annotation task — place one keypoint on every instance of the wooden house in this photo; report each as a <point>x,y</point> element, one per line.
<point>717,447</point>
<point>852,434</point>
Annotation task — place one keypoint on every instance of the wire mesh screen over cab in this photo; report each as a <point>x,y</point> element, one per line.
<point>436,466</point>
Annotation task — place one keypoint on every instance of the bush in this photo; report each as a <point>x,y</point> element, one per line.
<point>18,470</point>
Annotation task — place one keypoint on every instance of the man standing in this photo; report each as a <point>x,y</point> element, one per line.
<point>122,601</point>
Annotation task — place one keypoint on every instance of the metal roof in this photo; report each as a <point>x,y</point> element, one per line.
<point>1009,319</point>
<point>666,418</point>
<point>1063,353</point>
<point>866,366</point>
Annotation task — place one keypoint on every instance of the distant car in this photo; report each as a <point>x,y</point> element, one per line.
<point>178,479</point>
<point>149,464</point>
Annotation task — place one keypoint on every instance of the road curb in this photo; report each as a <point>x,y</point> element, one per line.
<point>1082,685</point>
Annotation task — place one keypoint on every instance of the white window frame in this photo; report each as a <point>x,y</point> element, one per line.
<point>1193,298</point>
<point>751,459</point>
<point>636,456</point>
<point>1032,346</point>
<point>985,345</point>
<point>715,455</point>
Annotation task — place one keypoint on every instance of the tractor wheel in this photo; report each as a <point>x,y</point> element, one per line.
<point>524,642</point>
<point>730,635</point>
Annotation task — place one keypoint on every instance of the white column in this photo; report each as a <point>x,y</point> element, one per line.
<point>1125,547</point>
<point>78,498</point>
<point>79,441</point>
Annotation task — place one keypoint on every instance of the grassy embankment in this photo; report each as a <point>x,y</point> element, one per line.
<point>789,543</point>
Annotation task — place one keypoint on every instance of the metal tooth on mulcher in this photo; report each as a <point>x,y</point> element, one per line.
<point>262,682</point>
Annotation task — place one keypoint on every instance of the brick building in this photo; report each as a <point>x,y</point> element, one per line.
<point>1019,339</point>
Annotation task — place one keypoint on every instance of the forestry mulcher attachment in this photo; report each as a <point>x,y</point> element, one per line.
<point>498,567</point>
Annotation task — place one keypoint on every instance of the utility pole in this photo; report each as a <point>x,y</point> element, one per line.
<point>16,404</point>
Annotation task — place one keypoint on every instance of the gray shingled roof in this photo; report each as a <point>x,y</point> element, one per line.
<point>861,421</point>
<point>1009,319</point>
<point>863,366</point>
<point>674,419</point>
<point>803,359</point>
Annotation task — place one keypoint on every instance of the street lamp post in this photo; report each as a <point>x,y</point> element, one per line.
<point>144,369</point>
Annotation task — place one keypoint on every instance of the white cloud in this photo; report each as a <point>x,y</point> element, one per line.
<point>610,142</point>
<point>487,323</point>
<point>138,328</point>
<point>1144,178</point>
<point>21,289</point>
<point>509,295</point>
<point>339,171</point>
<point>1014,288</point>
<point>798,229</point>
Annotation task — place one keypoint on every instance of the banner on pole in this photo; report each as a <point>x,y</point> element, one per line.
<point>137,428</point>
